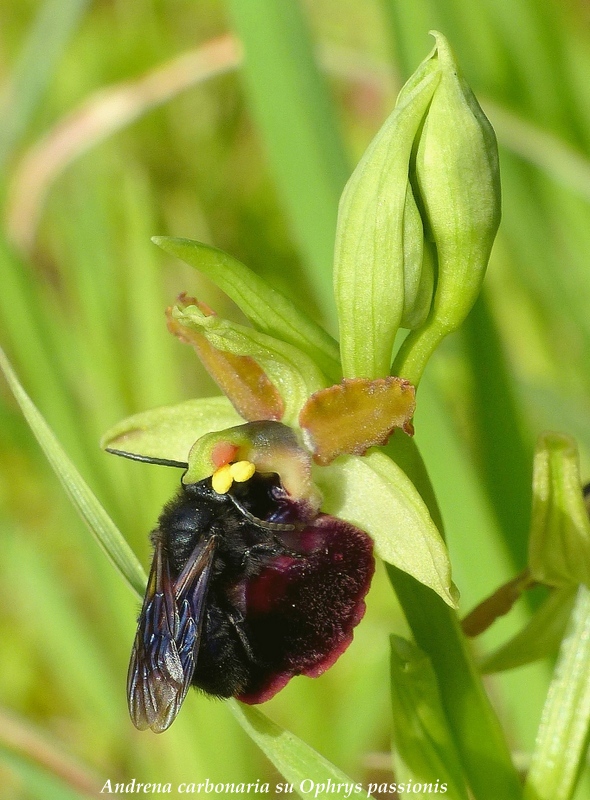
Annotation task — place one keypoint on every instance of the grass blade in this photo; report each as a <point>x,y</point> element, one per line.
<point>435,627</point>
<point>295,760</point>
<point>29,332</point>
<point>293,110</point>
<point>424,749</point>
<point>35,66</point>
<point>504,452</point>
<point>34,783</point>
<point>98,117</point>
<point>20,737</point>
<point>83,499</point>
<point>550,153</point>
<point>565,724</point>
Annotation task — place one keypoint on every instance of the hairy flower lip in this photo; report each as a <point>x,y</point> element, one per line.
<point>301,611</point>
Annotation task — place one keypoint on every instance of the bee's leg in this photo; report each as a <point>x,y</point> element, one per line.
<point>236,620</point>
<point>273,548</point>
<point>260,549</point>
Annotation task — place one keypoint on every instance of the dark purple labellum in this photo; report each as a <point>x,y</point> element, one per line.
<point>301,611</point>
<point>246,591</point>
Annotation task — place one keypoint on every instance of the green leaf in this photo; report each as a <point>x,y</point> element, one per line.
<point>87,505</point>
<point>377,496</point>
<point>539,638</point>
<point>83,678</point>
<point>559,543</point>
<point>54,24</point>
<point>369,251</point>
<point>423,745</point>
<point>562,739</point>
<point>296,761</point>
<point>168,433</point>
<point>266,308</point>
<point>35,782</point>
<point>436,630</point>
<point>499,428</point>
<point>292,107</point>
<point>293,373</point>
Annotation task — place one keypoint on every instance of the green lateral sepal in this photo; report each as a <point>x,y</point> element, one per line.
<point>374,494</point>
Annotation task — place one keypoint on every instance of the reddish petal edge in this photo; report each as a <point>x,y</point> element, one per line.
<point>282,679</point>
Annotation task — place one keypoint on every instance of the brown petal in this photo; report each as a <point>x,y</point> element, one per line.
<point>240,378</point>
<point>356,414</point>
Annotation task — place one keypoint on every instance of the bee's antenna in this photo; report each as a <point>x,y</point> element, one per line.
<point>270,526</point>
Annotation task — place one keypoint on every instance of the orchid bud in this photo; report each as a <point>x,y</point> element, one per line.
<point>377,228</point>
<point>416,224</point>
<point>457,180</point>
<point>559,544</point>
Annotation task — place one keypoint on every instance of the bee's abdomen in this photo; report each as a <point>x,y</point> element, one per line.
<point>223,664</point>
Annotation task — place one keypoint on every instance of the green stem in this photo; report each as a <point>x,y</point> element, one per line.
<point>417,348</point>
<point>478,735</point>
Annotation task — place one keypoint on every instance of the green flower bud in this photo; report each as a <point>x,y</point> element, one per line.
<point>377,228</point>
<point>418,267</point>
<point>457,181</point>
<point>559,545</point>
<point>420,210</point>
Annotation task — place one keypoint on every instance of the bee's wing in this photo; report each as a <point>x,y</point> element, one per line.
<point>167,640</point>
<point>191,595</point>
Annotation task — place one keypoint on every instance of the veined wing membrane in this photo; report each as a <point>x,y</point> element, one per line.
<point>167,640</point>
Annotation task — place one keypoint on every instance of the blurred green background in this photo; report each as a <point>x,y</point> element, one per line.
<point>120,120</point>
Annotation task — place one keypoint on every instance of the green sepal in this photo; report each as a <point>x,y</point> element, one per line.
<point>559,542</point>
<point>293,373</point>
<point>418,267</point>
<point>369,251</point>
<point>539,638</point>
<point>166,434</point>
<point>374,494</point>
<point>423,746</point>
<point>267,309</point>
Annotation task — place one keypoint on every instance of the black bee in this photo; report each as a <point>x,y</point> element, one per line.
<point>245,591</point>
<point>191,626</point>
